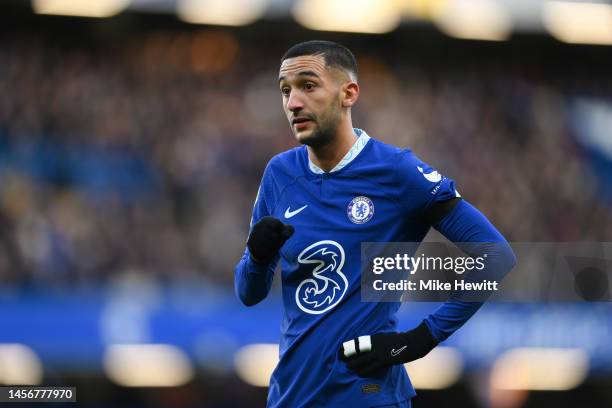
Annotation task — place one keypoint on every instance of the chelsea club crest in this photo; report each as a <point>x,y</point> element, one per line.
<point>360,210</point>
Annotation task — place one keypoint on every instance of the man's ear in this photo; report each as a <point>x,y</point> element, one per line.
<point>350,92</point>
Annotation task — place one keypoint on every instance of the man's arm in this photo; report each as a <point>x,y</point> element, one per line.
<point>463,224</point>
<point>252,281</point>
<point>255,270</point>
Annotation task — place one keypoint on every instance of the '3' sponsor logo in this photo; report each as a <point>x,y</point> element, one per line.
<point>327,284</point>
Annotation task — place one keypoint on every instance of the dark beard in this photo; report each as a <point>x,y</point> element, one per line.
<point>324,134</point>
<point>321,137</point>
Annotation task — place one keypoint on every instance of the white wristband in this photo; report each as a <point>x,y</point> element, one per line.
<point>365,344</point>
<point>349,348</point>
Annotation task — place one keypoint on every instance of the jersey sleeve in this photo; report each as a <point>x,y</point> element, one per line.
<point>471,231</point>
<point>419,185</point>
<point>252,280</point>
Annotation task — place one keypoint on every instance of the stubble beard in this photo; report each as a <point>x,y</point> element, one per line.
<point>323,132</point>
<point>321,135</point>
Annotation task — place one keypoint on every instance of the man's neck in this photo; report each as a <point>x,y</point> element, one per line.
<point>328,156</point>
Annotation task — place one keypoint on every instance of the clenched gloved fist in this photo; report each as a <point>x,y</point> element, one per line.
<point>368,354</point>
<point>267,236</point>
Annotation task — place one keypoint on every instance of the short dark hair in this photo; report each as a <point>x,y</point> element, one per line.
<point>336,55</point>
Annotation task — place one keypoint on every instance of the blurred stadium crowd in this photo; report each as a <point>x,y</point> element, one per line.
<point>144,155</point>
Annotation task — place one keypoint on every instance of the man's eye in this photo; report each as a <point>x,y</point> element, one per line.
<point>285,91</point>
<point>309,86</point>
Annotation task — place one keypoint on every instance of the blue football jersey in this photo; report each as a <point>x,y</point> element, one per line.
<point>377,193</point>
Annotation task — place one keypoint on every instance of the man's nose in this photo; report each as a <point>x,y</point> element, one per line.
<point>294,103</point>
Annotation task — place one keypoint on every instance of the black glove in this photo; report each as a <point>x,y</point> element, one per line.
<point>368,354</point>
<point>266,238</point>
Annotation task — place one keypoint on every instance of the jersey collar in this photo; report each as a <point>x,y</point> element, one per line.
<point>362,140</point>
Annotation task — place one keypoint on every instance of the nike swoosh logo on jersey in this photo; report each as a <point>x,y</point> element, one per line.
<point>289,213</point>
<point>395,352</point>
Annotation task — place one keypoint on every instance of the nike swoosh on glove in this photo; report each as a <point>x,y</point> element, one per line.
<point>267,236</point>
<point>368,354</point>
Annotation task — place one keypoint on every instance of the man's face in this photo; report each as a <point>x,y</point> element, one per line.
<point>312,100</point>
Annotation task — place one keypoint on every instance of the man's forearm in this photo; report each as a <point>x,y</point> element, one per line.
<point>252,281</point>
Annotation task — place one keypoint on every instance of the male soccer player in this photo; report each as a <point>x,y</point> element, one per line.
<point>316,204</point>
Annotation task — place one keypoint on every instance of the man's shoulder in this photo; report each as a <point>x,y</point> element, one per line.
<point>398,165</point>
<point>281,170</point>
<point>284,167</point>
<point>287,160</point>
<point>387,147</point>
<point>388,154</point>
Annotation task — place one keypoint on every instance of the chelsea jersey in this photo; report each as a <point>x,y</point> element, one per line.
<point>377,193</point>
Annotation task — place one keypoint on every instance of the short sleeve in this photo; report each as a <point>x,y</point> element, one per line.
<point>419,185</point>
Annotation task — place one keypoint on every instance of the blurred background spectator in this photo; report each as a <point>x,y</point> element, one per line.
<point>147,153</point>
